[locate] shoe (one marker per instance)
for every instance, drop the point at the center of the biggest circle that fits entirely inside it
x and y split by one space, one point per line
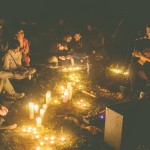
10 127
14 96
19 95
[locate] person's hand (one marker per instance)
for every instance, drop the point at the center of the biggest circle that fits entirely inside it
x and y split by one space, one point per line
3 111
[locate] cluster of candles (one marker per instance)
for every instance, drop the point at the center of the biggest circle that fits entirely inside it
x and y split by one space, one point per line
34 109
117 70
44 140
67 92
82 104
71 69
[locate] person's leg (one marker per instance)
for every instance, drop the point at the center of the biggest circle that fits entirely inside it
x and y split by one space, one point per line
8 86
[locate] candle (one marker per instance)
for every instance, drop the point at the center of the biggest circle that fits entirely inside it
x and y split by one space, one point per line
70 89
36 108
39 122
62 139
65 98
38 148
48 97
42 111
45 106
31 110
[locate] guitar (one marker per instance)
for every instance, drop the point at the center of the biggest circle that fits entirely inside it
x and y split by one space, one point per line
143 57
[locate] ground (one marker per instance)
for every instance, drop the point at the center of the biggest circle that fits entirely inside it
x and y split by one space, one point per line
75 124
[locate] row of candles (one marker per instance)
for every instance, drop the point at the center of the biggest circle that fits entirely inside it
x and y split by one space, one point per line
44 140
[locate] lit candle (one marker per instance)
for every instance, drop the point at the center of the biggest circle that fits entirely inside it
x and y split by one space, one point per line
62 139
46 138
70 89
45 106
65 98
42 111
42 143
36 108
37 136
38 148
48 97
31 110
55 101
24 130
39 122
52 138
52 142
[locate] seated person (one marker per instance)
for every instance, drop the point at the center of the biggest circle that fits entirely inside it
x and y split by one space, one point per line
12 61
79 47
7 87
61 54
24 47
3 112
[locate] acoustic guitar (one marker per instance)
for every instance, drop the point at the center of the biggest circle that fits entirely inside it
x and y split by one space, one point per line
143 57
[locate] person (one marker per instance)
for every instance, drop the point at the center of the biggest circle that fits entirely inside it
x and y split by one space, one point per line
4 112
139 68
12 61
60 53
24 47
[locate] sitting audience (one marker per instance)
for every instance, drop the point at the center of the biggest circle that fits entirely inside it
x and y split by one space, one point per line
24 47
12 61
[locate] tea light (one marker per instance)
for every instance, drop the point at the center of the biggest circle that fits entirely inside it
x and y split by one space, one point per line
24 130
52 138
42 111
52 142
39 122
55 101
31 110
37 136
38 148
46 138
45 106
62 139
42 143
36 108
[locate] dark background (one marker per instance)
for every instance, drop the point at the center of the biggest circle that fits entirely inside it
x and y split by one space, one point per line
125 19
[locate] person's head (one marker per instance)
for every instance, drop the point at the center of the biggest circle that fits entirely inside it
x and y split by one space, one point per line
77 36
20 33
14 45
148 31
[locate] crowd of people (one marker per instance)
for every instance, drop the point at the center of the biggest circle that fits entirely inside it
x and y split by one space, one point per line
70 49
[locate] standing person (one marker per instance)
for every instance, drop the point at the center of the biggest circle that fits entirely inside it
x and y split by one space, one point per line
139 69
24 47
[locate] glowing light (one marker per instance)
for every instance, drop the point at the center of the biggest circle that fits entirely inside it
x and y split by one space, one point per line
55 101
31 110
36 108
52 138
38 148
42 111
62 139
42 143
37 136
84 105
52 142
39 122
24 130
46 138
45 106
